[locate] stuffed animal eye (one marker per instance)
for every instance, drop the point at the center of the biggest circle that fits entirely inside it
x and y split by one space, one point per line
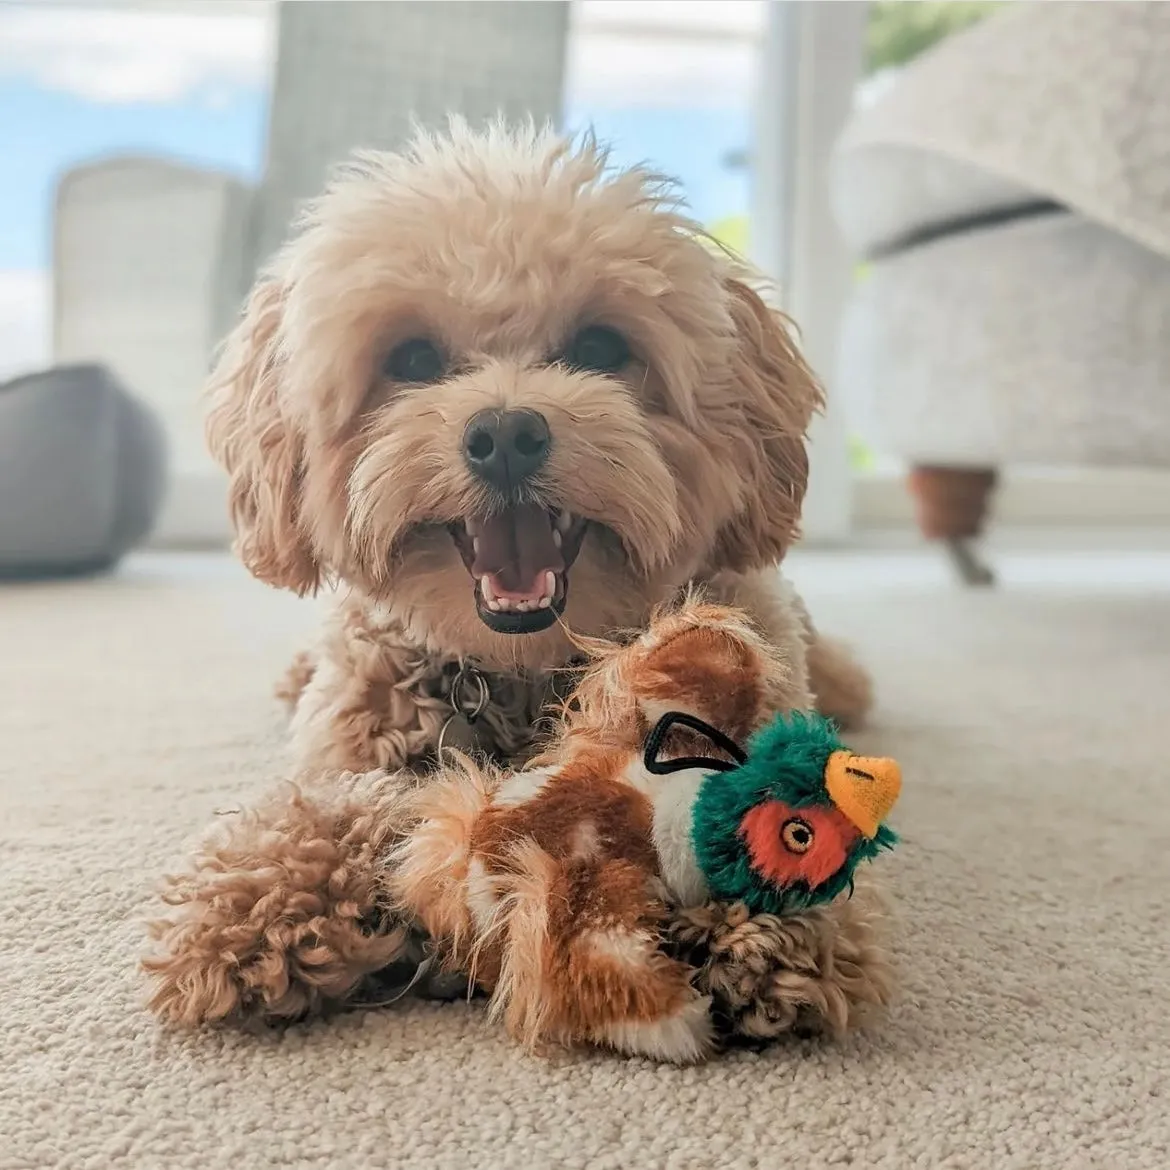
797 835
417 360
599 349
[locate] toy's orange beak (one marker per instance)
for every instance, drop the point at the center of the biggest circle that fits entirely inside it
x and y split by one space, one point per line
863 788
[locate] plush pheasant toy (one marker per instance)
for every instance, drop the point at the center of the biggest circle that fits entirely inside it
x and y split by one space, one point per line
551 885
781 829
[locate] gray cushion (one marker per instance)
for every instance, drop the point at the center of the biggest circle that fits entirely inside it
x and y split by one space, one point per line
1041 342
82 471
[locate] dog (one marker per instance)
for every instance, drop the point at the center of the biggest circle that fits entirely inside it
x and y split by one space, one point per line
498 395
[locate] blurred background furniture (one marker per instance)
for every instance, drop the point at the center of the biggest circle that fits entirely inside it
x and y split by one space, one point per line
1009 198
82 472
152 258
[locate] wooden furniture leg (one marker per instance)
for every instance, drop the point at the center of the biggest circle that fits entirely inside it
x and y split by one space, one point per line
952 505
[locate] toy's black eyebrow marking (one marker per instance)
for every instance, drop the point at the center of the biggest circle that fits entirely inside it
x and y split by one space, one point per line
858 772
657 737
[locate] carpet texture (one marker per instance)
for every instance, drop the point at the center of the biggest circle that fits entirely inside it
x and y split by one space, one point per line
1033 936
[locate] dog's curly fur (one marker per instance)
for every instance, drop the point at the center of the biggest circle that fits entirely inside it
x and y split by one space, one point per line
279 914
826 969
687 464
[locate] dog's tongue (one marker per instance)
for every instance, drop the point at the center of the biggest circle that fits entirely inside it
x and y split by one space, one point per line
516 547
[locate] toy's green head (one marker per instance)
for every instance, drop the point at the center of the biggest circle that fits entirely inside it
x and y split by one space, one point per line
788 827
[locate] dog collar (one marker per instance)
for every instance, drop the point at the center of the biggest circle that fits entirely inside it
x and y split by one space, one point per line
468 697
469 694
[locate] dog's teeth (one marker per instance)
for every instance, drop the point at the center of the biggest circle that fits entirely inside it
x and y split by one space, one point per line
472 527
475 545
528 604
564 520
556 538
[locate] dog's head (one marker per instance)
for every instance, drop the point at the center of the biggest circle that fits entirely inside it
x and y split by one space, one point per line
490 381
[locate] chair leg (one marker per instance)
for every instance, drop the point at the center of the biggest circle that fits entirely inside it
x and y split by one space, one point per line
953 504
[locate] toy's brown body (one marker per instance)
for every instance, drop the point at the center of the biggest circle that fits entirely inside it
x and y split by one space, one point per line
546 883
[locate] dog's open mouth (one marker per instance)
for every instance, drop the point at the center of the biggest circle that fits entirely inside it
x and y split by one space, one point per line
519 559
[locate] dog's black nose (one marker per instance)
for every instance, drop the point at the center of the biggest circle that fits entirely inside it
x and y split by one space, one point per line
506 447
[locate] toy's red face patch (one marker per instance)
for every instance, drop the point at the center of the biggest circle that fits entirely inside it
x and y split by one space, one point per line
788 844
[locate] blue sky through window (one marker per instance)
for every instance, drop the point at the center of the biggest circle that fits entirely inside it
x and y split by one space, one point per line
77 84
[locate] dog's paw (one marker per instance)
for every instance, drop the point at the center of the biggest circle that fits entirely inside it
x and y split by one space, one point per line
277 917
826 969
229 952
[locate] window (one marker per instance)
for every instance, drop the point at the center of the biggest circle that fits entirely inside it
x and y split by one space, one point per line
673 84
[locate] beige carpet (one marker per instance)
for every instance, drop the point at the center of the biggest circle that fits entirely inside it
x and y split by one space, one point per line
1035 938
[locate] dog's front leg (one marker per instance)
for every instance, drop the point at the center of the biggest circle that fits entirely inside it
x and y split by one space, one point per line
281 910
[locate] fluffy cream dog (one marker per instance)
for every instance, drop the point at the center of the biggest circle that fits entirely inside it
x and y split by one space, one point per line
499 394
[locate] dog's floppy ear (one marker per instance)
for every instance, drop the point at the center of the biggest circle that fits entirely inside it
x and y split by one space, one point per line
778 394
259 447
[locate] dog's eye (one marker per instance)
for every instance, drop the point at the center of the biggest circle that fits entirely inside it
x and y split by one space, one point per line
597 348
416 360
